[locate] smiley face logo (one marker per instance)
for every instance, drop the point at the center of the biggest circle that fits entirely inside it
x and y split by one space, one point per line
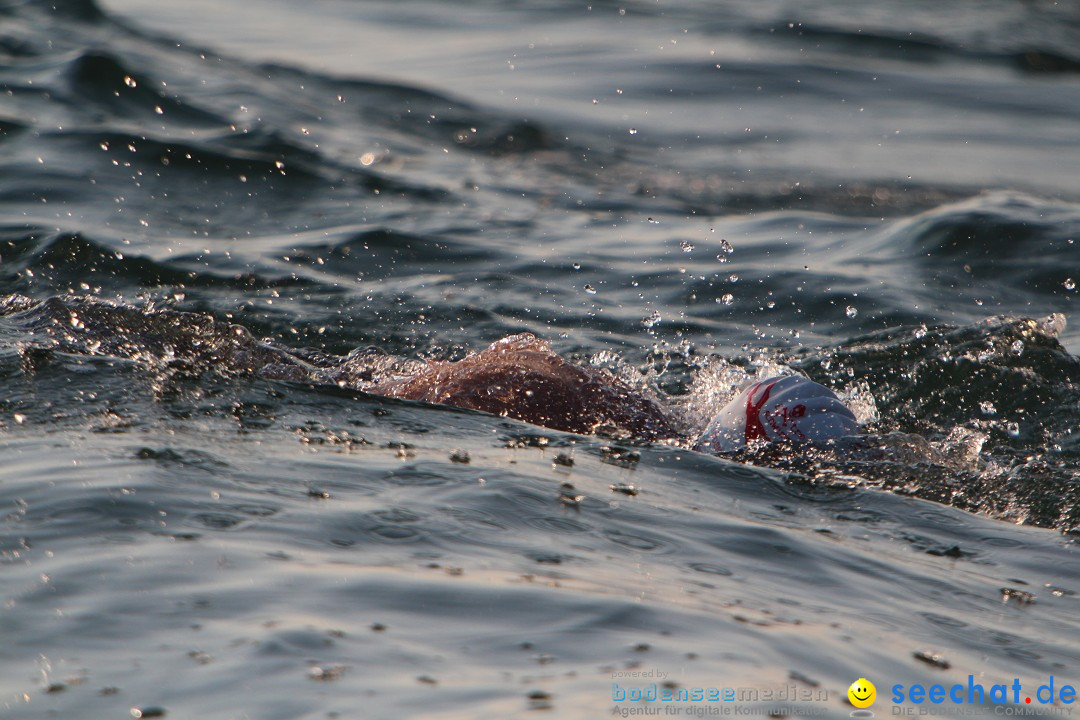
862 693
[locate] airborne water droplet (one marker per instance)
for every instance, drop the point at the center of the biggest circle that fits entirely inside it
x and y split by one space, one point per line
727 299
590 289
1070 284
851 311
651 320
686 246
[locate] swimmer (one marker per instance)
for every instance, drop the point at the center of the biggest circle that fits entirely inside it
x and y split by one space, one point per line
521 377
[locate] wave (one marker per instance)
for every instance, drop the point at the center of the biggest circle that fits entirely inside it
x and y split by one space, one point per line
992 241
33 256
1045 43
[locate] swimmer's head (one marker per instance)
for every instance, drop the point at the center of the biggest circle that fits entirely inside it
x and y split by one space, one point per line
789 409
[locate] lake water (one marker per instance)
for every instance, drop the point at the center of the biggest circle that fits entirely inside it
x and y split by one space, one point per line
881 195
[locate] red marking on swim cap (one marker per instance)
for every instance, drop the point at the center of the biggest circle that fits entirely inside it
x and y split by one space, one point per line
754 429
798 411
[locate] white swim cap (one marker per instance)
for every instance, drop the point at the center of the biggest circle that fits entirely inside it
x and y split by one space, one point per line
788 409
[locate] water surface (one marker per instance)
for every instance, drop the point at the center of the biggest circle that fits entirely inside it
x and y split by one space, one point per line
876 194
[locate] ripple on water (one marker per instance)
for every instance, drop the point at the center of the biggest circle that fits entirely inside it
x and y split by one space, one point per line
81 515
641 541
427 475
943 620
397 515
553 523
710 569
396 533
475 519
221 521
1001 542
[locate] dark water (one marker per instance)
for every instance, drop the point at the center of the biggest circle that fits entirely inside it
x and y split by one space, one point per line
210 211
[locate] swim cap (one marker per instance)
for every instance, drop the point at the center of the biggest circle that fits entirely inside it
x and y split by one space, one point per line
788 409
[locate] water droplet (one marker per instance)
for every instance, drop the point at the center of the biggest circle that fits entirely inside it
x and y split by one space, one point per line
851 311
686 246
633 131
733 277
1070 284
1017 347
19 418
727 299
327 673
771 304
725 247
590 289
652 320
1013 429
987 408
920 332
577 266
130 81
